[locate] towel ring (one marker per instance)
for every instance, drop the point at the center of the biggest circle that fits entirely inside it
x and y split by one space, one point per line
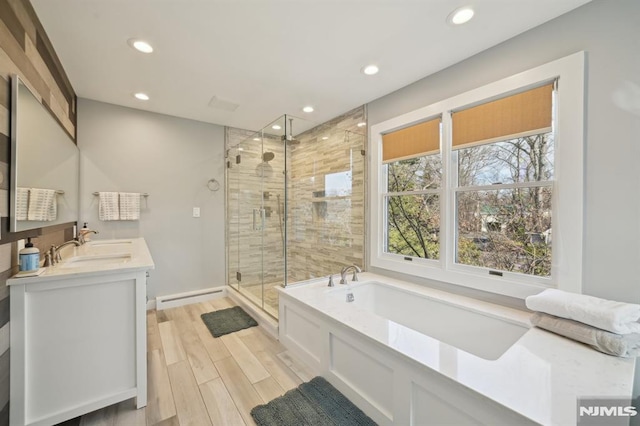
213 185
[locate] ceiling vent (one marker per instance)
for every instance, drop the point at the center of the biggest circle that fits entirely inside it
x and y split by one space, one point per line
223 105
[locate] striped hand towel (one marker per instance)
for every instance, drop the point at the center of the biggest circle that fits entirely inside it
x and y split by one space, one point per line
22 203
109 207
129 205
40 201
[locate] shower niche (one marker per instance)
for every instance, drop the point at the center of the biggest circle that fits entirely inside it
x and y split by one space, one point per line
295 203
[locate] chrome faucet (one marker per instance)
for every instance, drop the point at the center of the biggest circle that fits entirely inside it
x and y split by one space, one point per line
54 251
343 273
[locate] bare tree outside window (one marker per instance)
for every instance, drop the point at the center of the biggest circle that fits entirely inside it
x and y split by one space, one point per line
413 212
506 227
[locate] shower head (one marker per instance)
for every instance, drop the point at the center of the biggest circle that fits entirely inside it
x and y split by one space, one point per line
268 156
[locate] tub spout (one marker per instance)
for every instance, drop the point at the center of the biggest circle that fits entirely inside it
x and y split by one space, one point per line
343 273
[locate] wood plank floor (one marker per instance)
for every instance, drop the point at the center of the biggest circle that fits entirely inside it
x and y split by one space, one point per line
196 379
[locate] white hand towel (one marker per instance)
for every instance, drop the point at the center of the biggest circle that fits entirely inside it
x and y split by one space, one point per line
109 207
129 205
40 201
616 317
22 203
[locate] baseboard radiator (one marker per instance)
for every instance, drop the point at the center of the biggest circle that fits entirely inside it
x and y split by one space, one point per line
175 300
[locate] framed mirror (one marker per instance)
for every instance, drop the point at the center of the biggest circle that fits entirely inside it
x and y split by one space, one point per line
44 187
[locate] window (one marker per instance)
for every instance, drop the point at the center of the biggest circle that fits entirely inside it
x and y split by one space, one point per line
485 189
414 175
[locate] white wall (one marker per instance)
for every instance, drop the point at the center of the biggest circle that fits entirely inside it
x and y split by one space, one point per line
128 150
609 32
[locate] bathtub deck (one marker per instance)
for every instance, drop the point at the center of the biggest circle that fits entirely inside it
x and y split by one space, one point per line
196 379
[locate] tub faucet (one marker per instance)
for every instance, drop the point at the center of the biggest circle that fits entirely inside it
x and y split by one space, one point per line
55 250
343 273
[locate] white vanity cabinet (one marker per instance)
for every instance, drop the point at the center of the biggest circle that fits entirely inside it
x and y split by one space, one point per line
78 334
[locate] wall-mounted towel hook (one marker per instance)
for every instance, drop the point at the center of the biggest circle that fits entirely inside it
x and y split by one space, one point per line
213 185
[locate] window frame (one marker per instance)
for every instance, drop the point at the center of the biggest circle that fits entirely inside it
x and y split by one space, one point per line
568 186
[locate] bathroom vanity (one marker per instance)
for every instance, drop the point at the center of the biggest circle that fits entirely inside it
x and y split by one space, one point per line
78 333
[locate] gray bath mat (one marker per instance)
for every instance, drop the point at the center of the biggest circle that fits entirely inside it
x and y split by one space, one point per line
315 403
227 321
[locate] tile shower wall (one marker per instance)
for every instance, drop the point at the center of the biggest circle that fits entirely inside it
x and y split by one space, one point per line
326 198
24 50
325 202
254 183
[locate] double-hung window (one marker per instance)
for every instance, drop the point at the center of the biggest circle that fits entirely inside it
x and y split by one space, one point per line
413 183
484 189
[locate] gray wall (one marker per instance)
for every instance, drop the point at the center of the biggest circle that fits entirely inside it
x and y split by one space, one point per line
128 150
610 34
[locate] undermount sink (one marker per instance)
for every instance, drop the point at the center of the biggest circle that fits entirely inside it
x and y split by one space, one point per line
93 261
109 242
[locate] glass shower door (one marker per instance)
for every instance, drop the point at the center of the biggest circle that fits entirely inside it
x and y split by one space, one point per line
256 200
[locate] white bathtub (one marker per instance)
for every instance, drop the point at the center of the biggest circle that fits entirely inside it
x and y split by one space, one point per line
410 355
473 331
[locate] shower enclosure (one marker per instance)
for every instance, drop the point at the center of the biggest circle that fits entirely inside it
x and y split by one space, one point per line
295 203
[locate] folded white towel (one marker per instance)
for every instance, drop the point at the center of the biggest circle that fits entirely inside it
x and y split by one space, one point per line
616 317
22 203
129 205
109 207
627 345
40 204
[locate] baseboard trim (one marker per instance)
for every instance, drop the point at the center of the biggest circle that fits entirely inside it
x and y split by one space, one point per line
188 298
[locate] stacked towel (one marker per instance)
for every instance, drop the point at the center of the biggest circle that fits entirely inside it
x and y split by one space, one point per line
616 317
22 203
42 204
129 206
605 325
109 207
627 345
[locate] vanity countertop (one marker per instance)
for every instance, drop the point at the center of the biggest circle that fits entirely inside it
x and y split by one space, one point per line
93 258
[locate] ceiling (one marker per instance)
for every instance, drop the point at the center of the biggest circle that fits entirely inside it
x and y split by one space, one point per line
270 57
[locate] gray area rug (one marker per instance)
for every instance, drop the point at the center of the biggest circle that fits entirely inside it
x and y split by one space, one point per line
227 321
315 403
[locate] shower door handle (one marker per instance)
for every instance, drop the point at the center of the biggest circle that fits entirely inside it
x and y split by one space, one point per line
258 219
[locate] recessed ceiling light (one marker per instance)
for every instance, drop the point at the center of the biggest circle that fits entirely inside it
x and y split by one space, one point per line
142 96
324 138
308 109
256 139
140 45
370 69
276 127
460 15
362 124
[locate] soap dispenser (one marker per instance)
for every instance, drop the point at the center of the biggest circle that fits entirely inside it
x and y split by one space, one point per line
29 257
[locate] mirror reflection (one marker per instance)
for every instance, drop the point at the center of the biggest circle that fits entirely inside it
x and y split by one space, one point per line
44 165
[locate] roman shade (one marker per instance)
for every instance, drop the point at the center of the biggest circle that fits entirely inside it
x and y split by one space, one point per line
413 141
523 114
